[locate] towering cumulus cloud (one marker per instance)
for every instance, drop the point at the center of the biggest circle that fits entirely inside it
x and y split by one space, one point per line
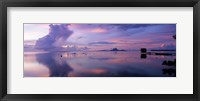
57 36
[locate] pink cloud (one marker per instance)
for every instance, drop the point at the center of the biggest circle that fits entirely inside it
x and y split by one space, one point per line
98 30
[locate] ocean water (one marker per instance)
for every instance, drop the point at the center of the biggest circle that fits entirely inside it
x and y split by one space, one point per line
97 64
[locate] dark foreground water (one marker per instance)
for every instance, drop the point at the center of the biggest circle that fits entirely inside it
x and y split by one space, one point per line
97 64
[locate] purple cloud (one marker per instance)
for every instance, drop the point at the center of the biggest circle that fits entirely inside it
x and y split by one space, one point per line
56 38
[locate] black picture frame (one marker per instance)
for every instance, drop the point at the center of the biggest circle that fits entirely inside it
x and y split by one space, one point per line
99 3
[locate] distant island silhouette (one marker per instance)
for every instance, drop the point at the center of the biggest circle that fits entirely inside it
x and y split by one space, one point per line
114 49
162 50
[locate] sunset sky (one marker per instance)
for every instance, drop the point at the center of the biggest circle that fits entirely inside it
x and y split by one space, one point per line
107 36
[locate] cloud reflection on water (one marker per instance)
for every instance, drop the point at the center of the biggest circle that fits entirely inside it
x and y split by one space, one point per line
101 64
56 65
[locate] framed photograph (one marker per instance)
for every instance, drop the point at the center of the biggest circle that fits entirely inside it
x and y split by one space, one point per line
142 50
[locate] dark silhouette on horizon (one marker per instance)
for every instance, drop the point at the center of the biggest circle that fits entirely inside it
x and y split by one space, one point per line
163 50
114 49
143 50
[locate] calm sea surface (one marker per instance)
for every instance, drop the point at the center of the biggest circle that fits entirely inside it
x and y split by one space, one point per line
97 64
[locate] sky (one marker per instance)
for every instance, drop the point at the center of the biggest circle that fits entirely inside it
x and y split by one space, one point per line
100 36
